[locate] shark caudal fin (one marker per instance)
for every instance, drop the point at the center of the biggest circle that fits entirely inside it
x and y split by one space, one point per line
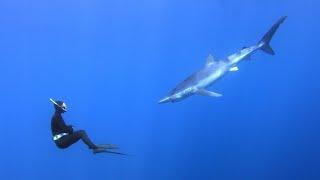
265 41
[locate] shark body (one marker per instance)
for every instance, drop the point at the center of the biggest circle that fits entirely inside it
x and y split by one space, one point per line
214 70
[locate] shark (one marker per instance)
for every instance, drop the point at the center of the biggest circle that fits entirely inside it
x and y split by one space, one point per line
214 69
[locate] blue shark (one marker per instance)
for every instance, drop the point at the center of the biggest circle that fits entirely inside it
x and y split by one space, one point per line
215 69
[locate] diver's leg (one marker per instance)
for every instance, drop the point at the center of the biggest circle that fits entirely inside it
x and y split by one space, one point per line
84 137
67 140
70 139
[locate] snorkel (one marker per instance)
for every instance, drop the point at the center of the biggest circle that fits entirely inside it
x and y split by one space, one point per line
63 106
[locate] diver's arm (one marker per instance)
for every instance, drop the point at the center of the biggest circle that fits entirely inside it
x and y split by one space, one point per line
64 127
70 129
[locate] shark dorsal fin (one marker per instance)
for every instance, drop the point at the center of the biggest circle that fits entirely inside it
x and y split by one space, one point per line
210 60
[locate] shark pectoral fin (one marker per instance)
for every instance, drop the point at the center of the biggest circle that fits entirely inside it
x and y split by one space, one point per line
234 68
204 92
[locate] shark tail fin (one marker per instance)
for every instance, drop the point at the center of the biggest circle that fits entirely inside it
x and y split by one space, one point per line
264 43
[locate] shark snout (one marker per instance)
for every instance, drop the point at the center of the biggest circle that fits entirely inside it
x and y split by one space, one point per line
165 100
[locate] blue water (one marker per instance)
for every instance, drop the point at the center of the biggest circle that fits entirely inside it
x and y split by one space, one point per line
111 61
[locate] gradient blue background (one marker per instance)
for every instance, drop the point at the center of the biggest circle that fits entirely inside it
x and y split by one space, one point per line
111 61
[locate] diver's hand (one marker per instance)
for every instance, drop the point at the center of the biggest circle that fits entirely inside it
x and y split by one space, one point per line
70 127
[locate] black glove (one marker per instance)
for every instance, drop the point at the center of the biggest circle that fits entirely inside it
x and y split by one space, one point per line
70 129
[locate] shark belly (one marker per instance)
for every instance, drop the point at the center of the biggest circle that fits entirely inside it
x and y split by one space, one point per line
212 77
234 59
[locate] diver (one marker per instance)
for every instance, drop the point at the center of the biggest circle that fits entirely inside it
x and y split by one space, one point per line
64 135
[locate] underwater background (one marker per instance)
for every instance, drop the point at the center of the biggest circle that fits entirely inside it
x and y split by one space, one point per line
111 61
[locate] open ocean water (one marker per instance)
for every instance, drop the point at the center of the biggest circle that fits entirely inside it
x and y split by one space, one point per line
111 61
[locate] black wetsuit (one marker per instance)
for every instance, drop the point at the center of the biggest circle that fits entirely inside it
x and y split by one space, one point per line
58 126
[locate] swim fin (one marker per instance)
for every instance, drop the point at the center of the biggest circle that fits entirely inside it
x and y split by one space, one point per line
98 150
113 152
108 146
103 150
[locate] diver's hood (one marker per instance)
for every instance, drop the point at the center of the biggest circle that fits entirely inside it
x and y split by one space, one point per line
59 105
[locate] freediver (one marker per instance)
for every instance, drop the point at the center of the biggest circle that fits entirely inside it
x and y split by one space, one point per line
64 135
